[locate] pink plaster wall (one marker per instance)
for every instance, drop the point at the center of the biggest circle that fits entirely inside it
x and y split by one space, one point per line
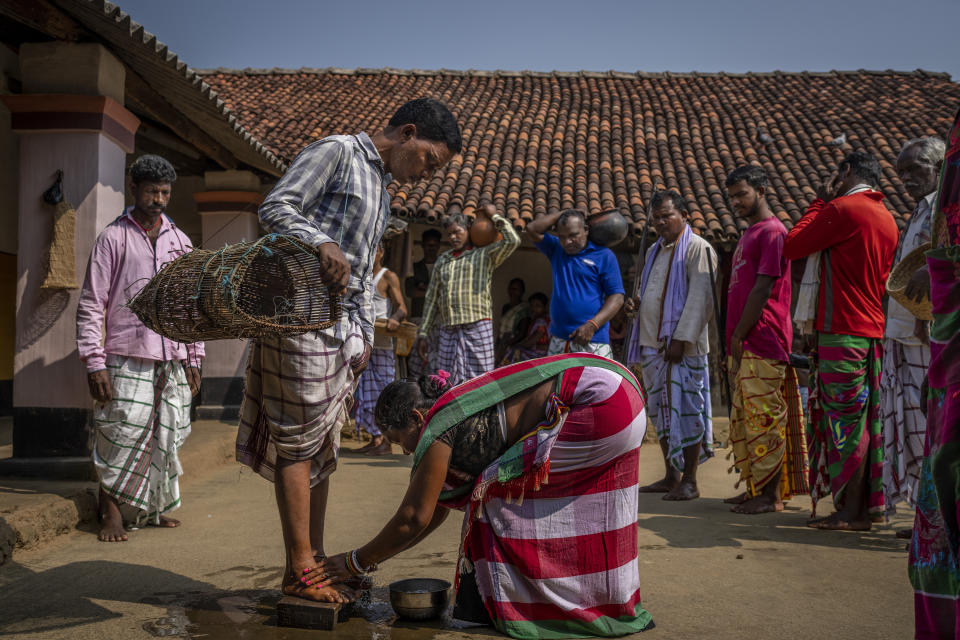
47 371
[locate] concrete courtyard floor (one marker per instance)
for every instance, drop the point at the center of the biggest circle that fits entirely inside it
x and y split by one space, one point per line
705 572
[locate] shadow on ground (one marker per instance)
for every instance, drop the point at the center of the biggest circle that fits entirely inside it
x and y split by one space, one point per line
79 594
63 597
686 525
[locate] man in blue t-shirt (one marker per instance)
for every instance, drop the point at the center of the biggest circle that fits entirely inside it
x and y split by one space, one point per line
587 289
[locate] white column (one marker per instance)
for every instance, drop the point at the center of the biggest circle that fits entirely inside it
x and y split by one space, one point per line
78 125
228 214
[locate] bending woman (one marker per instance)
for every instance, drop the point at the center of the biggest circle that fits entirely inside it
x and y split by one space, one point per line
543 458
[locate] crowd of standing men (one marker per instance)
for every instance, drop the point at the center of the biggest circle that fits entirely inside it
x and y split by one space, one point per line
865 427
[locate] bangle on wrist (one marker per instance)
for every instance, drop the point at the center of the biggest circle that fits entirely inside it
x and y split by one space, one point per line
593 322
354 566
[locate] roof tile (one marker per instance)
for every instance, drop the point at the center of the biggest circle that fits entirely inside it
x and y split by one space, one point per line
538 142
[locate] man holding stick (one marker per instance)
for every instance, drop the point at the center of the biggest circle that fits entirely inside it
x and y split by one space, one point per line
669 340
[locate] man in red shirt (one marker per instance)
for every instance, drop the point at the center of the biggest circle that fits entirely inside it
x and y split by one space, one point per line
766 423
853 237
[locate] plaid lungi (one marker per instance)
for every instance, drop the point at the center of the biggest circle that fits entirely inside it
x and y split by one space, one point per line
559 345
295 401
417 366
139 432
678 403
378 374
464 350
904 425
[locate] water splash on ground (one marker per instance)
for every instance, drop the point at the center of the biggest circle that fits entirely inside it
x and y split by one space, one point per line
251 615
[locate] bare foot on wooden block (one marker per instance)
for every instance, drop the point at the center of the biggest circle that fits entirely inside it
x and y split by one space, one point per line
303 587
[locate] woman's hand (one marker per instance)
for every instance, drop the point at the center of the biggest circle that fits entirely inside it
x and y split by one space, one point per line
334 569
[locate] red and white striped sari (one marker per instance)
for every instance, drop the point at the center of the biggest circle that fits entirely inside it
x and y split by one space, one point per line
550 529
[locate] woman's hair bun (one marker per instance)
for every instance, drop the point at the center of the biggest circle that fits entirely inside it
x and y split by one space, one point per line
431 387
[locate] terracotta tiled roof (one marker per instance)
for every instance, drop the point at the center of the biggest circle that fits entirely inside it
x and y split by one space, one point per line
537 142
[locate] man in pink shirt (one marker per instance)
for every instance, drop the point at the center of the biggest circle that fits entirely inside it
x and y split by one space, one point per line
766 424
143 383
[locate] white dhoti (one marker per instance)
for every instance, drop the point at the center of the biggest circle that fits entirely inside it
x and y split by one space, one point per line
904 425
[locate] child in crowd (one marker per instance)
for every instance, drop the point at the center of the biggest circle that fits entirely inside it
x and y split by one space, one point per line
537 340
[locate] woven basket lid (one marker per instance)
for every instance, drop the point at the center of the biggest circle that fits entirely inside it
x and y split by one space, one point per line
899 278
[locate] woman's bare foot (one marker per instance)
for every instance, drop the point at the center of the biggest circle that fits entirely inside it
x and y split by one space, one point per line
760 504
904 534
686 490
111 520
836 522
660 486
165 523
740 499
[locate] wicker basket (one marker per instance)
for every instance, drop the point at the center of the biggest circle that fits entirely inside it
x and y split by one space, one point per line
245 290
899 278
403 336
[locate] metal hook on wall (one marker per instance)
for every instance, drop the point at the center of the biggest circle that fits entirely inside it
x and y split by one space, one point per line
54 195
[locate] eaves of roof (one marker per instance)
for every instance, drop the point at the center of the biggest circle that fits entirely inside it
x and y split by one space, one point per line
174 79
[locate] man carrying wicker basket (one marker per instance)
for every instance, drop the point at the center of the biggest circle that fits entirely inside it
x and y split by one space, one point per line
143 383
333 197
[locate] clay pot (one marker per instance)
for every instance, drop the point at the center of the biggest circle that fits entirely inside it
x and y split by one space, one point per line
482 232
607 228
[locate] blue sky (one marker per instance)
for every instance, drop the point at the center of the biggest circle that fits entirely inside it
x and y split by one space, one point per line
662 35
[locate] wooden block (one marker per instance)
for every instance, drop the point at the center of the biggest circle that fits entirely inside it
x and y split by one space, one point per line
306 614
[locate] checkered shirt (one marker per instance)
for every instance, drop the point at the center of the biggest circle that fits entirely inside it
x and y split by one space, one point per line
335 191
459 288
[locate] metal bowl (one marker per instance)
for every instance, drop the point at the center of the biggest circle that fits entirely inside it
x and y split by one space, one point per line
420 598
